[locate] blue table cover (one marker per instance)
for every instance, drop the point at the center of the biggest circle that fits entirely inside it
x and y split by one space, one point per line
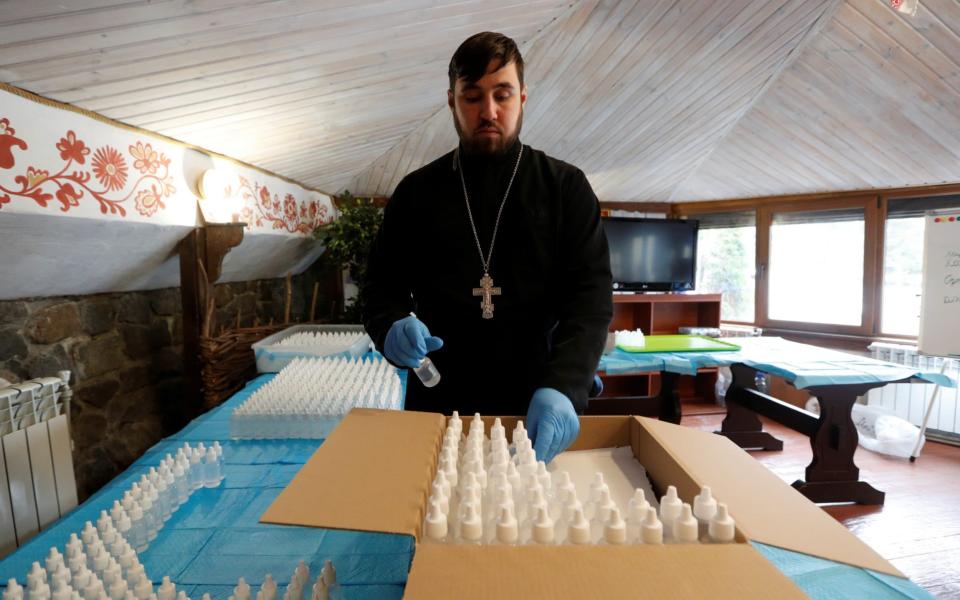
801 364
215 537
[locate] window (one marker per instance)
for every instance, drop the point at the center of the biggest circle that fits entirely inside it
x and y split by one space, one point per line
903 262
847 265
726 255
816 266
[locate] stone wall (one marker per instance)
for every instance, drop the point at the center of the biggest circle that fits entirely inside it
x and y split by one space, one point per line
125 353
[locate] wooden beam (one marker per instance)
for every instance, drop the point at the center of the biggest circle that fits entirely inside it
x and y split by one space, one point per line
201 258
740 204
644 207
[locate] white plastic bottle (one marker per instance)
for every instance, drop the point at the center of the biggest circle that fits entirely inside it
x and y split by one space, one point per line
604 507
508 531
722 527
651 531
138 531
435 528
167 589
578 531
211 472
593 499
636 511
268 588
13 591
181 481
615 529
542 532
218 451
427 372
685 527
196 469
240 592
704 508
670 507
471 527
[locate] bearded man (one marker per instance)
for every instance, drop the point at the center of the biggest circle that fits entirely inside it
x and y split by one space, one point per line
492 260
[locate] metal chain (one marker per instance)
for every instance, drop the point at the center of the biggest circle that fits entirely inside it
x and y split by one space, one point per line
496 225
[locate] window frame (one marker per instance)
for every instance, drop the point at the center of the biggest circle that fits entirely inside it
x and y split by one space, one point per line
876 203
765 215
875 206
756 284
883 203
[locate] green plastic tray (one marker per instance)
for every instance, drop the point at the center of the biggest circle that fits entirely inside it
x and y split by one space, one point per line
680 343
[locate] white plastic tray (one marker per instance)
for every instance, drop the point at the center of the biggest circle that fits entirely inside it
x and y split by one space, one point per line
271 356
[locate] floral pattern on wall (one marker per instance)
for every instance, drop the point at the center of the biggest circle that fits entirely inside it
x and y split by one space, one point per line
261 209
103 180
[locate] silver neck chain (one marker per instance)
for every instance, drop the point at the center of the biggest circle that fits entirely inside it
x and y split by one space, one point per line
496 224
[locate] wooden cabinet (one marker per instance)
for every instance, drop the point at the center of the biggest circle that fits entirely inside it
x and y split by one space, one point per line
662 314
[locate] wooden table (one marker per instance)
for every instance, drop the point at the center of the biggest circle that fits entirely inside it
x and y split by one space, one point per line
831 476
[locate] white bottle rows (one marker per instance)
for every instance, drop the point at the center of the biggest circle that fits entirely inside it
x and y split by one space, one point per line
323 342
490 491
102 562
310 396
149 502
90 572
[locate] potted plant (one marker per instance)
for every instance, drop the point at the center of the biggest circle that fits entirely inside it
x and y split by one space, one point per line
348 239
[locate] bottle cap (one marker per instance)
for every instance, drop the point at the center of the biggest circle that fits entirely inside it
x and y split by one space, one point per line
704 505
579 530
471 528
507 530
637 508
722 528
670 506
596 487
436 523
651 530
615 529
543 476
685 527
240 592
328 573
543 527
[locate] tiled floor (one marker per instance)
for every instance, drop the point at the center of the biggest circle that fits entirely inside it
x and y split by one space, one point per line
918 527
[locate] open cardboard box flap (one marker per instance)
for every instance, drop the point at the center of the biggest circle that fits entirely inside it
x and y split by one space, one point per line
374 472
734 571
371 474
766 509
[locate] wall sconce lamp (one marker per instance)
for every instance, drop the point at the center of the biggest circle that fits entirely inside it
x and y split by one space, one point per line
215 205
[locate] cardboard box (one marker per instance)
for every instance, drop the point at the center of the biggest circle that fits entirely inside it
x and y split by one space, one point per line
374 474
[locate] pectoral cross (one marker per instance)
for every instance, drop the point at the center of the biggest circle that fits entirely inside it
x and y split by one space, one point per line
486 290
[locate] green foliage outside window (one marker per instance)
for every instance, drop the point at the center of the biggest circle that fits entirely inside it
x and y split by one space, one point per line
725 266
348 240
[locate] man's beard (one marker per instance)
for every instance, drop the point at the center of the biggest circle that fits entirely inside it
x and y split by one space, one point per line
488 145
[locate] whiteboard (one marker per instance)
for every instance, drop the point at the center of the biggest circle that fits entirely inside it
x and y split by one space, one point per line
940 309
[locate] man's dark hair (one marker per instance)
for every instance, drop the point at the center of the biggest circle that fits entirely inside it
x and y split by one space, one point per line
471 59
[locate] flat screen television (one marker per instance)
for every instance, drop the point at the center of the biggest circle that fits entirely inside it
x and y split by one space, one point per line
652 254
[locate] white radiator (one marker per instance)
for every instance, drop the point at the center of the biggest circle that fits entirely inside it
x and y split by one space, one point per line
909 400
37 483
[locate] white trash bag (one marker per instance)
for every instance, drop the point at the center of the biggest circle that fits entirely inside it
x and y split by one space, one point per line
881 430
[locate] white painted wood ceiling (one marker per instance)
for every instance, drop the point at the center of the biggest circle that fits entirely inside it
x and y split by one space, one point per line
656 100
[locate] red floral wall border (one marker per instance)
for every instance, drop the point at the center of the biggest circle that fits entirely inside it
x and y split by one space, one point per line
108 165
261 209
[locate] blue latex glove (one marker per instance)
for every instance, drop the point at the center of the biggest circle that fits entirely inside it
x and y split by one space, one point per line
552 424
409 341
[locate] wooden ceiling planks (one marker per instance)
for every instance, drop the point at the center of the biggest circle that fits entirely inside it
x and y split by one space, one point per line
871 103
656 100
637 93
312 90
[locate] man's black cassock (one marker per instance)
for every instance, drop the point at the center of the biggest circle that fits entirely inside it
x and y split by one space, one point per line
550 260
